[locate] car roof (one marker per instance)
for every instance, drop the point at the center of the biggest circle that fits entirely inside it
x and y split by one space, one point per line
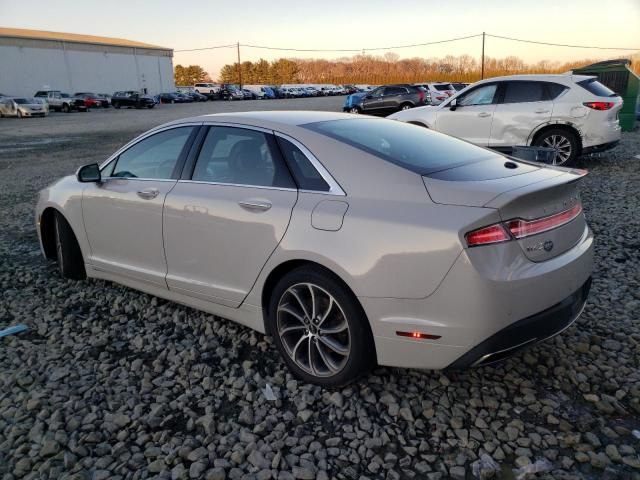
546 76
271 119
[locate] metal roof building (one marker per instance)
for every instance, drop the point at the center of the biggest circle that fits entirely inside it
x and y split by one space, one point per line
32 60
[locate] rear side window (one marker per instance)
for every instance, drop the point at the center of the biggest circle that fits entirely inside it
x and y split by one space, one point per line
522 92
554 90
596 88
240 156
306 175
395 91
409 146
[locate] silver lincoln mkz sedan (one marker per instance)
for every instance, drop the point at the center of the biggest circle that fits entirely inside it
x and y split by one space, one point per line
350 240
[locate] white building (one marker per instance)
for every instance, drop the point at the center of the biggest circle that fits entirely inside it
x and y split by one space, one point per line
32 60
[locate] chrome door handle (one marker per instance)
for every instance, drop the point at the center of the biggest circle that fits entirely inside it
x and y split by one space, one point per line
542 111
255 205
148 193
484 114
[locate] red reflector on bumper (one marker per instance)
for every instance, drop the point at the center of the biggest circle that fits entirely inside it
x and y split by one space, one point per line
418 335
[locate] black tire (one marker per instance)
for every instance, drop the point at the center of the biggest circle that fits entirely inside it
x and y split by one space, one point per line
559 136
116 105
150 106
405 106
355 110
65 108
68 254
361 356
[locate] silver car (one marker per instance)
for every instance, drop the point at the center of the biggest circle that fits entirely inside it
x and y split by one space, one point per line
22 107
351 240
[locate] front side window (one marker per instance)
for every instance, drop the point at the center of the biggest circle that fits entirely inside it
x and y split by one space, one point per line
240 156
155 157
483 95
523 92
377 92
306 175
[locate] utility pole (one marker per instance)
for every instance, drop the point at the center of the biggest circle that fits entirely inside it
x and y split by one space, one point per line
240 66
482 72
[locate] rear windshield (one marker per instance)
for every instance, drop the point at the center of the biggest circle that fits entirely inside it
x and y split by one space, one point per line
442 87
594 86
409 146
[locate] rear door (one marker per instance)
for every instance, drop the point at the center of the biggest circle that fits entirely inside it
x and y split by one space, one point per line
223 220
523 106
392 98
471 119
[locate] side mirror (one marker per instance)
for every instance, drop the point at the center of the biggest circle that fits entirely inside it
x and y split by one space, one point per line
89 174
453 104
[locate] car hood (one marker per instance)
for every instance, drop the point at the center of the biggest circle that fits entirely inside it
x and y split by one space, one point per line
354 99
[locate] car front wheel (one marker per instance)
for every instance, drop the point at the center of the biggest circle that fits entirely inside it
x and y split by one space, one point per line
354 110
68 253
563 142
320 329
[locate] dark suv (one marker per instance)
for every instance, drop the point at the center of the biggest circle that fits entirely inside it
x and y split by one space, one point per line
131 98
386 99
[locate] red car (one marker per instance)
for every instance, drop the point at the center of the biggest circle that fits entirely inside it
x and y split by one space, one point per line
91 100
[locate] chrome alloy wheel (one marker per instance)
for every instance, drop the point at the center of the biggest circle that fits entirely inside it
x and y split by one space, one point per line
561 145
313 329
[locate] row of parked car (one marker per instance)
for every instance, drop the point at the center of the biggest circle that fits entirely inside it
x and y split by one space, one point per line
230 91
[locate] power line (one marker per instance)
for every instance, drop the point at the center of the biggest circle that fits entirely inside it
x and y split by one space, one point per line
560 44
397 47
360 49
233 45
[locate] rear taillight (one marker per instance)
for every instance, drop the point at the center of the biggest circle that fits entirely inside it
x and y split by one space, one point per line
524 228
599 105
519 228
487 235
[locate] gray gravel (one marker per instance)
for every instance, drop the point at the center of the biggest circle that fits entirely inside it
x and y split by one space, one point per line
112 383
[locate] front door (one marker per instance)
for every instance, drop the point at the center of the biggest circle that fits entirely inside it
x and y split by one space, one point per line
374 101
222 224
123 213
471 120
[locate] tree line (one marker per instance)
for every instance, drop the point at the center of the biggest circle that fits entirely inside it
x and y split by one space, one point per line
389 68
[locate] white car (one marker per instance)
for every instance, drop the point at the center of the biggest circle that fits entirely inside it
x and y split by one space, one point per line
439 92
207 88
573 114
23 107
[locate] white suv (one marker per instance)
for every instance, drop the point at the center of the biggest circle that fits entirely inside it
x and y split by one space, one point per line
574 114
438 91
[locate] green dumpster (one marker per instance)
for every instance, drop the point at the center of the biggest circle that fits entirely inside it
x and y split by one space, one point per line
617 75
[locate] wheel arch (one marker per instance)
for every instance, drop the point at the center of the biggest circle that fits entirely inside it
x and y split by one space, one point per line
48 232
562 125
289 265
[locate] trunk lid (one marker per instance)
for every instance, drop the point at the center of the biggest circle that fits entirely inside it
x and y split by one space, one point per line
527 192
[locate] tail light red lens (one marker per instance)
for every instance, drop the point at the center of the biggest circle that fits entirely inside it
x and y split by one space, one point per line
599 105
519 228
487 235
523 228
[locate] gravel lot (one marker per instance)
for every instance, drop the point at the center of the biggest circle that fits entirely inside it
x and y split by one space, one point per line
112 383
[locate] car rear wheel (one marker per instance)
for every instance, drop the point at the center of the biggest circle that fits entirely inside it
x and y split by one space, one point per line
562 141
406 106
68 254
320 329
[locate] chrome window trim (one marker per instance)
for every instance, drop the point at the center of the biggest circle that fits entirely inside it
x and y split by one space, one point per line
141 137
142 179
213 123
334 187
200 182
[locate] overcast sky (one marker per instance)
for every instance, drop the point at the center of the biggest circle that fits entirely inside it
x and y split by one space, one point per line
338 24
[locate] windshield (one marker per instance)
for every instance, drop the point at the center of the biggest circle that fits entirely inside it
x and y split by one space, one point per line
21 101
409 146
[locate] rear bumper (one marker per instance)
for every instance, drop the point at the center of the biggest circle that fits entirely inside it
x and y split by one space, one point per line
527 331
600 148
